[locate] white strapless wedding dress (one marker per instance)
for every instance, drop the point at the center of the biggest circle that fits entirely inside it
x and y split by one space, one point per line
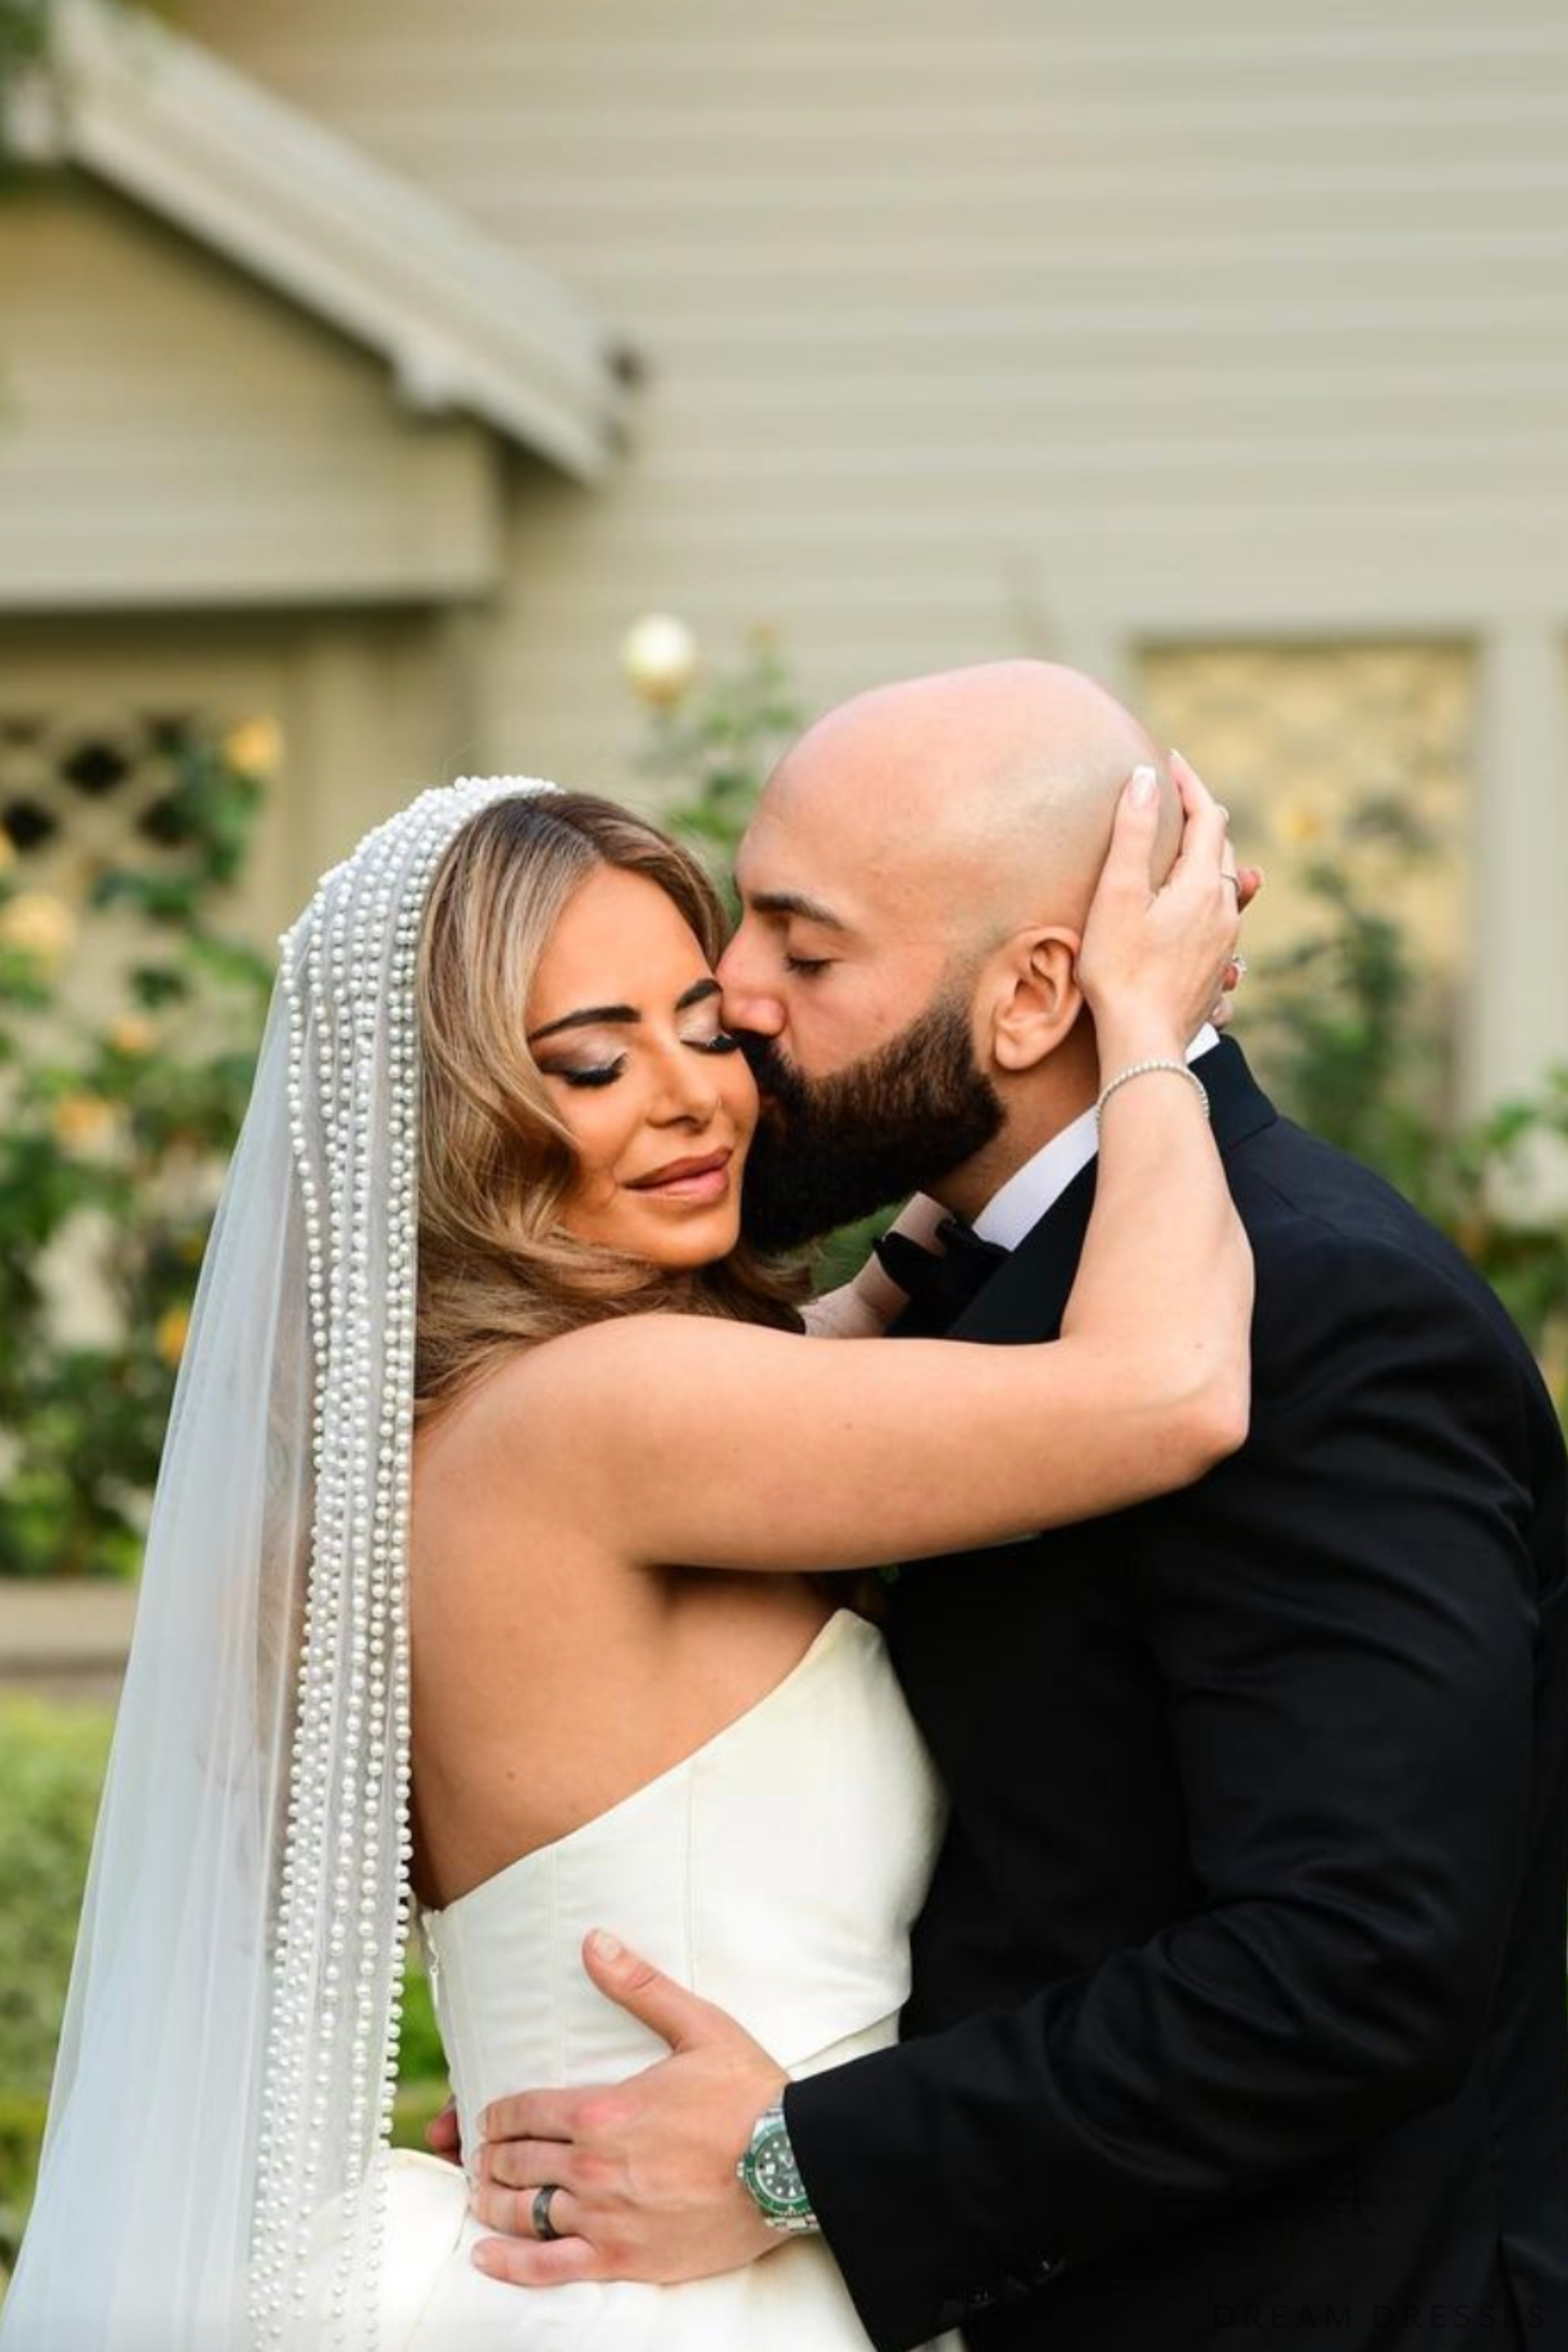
777 1871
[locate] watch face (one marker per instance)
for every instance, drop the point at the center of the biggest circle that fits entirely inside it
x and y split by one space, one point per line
776 2174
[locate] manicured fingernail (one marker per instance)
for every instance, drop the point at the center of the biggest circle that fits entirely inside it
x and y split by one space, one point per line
1142 787
605 1944
485 2261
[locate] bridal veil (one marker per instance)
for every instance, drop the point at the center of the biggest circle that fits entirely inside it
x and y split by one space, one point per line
211 2176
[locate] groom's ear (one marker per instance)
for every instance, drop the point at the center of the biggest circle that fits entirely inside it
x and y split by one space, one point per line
1031 998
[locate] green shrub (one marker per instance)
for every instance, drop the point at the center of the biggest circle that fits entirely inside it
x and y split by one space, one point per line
51 1769
21 2137
121 1123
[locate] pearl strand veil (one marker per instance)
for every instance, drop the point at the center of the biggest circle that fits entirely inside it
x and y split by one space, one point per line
213 2174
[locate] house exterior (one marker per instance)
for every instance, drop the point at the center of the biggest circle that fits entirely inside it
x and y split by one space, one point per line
370 369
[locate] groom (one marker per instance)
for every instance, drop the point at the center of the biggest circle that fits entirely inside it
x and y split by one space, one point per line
1238 2012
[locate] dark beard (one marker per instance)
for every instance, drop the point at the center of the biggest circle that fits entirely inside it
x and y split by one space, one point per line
828 1150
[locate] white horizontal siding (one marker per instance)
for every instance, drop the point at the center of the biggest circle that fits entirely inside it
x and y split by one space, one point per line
1013 326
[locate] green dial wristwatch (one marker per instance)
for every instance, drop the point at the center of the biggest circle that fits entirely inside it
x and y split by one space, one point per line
771 2177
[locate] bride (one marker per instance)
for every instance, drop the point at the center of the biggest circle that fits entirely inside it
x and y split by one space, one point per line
482 1580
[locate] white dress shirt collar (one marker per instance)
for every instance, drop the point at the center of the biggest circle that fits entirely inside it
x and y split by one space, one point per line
1039 1183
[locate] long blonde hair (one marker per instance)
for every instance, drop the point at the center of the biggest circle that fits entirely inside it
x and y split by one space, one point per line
496 1268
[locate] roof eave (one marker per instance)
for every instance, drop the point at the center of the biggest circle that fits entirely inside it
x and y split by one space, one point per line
463 323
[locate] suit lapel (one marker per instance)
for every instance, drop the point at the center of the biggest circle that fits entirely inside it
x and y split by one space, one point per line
1025 1299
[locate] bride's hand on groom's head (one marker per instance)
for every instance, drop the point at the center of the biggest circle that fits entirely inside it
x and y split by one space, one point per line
1155 963
1249 880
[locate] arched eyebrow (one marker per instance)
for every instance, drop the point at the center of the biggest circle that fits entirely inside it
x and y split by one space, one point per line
791 902
592 1016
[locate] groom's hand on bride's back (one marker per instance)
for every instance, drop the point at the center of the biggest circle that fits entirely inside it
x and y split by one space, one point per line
643 2171
444 2136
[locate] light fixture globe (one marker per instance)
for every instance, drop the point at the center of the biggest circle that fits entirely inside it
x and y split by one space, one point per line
659 655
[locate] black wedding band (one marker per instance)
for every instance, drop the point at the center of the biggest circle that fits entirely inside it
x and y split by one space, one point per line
545 2228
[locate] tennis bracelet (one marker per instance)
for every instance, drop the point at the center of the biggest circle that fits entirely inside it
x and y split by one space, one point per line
1142 1070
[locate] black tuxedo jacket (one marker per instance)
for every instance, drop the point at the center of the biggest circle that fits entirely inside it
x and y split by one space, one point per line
1238 2013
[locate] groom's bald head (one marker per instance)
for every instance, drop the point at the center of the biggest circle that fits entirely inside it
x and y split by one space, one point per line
987 792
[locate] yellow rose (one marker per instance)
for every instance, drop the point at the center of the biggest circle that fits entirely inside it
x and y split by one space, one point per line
173 1328
133 1034
255 747
38 924
84 1123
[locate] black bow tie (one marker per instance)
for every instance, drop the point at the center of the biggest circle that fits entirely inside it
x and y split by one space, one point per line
940 1289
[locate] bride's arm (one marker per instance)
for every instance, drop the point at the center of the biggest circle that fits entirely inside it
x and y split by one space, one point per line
678 1438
